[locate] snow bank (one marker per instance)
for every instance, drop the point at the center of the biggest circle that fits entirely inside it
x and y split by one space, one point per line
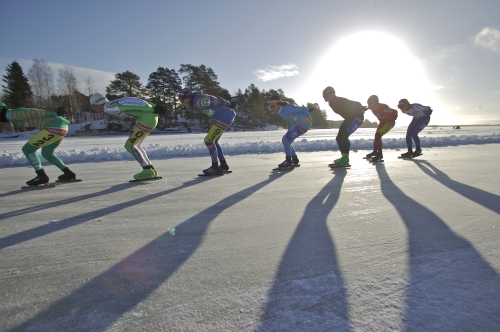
159 146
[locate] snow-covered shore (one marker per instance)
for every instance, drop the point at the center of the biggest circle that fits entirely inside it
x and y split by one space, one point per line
160 146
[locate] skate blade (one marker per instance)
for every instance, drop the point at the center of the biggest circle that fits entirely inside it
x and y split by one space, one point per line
400 157
339 166
214 174
150 179
43 186
283 168
69 181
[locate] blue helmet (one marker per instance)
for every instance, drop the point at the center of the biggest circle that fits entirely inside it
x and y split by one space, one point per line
186 94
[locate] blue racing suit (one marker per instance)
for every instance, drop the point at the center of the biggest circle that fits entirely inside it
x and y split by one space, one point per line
220 110
300 123
421 117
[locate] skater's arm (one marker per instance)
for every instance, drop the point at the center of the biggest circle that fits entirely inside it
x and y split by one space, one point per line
25 114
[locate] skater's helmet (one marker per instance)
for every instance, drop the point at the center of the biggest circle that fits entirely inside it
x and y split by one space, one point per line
186 94
328 91
273 100
373 99
403 104
98 99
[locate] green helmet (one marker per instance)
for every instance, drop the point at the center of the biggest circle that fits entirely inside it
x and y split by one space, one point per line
2 104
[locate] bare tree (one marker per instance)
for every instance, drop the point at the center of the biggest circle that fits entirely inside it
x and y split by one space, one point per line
42 83
68 86
89 85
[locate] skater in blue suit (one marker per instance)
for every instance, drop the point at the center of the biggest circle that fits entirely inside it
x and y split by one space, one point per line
421 117
223 115
300 123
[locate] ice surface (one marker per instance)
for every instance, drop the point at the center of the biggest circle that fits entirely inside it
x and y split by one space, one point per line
402 245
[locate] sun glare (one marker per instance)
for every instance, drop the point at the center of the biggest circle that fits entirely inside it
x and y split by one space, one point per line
370 63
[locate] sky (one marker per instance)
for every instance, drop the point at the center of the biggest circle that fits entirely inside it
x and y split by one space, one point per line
444 54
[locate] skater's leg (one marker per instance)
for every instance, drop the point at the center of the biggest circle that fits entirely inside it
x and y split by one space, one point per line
220 152
290 136
29 152
411 126
420 124
377 142
383 128
212 138
346 129
42 139
144 125
48 154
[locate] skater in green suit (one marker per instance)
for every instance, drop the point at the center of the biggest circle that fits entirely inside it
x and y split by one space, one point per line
147 119
53 127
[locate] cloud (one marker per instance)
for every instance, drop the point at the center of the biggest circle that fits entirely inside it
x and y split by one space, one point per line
271 73
488 38
444 52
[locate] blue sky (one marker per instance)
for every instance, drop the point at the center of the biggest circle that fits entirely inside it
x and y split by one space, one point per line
440 53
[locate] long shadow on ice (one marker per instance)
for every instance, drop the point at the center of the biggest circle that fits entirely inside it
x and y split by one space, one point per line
13 192
106 298
484 198
450 287
308 292
49 228
45 206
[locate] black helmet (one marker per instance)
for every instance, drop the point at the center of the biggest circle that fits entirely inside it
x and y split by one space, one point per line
403 103
373 99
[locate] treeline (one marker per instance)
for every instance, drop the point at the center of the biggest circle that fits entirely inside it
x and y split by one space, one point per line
40 89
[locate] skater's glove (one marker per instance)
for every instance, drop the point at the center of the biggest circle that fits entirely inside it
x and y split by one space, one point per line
61 110
3 114
160 110
234 102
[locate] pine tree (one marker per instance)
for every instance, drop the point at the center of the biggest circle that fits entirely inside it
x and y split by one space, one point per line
318 116
126 84
17 91
164 84
202 79
256 104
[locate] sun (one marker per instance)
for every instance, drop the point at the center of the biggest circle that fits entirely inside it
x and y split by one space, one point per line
370 63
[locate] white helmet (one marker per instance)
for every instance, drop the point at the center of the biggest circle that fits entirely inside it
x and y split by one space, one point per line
98 99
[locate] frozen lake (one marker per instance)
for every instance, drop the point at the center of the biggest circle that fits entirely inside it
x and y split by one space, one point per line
396 246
